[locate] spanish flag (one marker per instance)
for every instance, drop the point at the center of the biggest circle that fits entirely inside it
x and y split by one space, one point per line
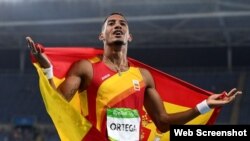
69 117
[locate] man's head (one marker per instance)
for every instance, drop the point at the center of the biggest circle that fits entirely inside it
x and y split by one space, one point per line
115 30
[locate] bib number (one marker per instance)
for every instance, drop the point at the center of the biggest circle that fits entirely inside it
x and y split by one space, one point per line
123 124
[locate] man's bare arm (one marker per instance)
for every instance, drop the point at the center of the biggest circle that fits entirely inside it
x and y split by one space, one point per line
162 119
77 79
74 79
36 51
40 57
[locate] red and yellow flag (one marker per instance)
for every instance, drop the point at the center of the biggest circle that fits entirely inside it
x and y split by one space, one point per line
69 117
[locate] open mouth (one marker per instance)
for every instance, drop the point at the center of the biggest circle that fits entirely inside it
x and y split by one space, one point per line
118 32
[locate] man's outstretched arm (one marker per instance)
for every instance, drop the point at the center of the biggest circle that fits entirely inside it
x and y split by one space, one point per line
41 58
72 81
156 110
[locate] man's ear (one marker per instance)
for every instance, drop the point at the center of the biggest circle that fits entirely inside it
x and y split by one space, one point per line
130 38
101 38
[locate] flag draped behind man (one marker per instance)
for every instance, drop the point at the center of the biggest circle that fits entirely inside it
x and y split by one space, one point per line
69 117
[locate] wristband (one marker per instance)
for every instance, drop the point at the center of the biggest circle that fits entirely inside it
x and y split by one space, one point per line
203 107
48 72
158 135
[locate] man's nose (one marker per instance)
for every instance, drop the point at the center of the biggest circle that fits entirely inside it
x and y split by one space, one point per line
118 26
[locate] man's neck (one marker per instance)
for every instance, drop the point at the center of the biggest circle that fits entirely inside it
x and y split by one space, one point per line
116 57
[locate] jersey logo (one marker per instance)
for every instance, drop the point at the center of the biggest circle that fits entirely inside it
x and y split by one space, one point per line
136 85
105 76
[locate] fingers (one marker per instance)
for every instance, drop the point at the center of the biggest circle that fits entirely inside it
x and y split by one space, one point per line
28 38
223 98
40 48
217 96
30 42
238 93
232 95
32 46
215 100
234 92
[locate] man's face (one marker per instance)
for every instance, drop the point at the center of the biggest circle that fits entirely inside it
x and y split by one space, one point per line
115 31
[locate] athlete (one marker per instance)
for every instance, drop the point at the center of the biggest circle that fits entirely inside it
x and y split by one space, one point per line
105 96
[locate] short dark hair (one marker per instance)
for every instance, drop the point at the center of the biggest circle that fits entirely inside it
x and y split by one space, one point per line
114 13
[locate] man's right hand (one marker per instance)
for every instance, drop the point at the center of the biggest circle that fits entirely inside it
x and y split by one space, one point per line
36 50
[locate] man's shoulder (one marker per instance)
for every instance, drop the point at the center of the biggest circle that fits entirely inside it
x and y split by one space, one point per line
144 71
82 62
82 66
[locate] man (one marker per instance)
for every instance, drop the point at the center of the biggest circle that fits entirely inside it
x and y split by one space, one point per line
99 80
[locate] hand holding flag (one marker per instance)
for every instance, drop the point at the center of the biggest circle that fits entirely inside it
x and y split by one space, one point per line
37 51
217 100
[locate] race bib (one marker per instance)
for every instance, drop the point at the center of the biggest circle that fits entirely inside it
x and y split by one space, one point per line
123 124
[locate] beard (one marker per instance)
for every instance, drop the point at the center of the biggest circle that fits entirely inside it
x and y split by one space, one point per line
117 43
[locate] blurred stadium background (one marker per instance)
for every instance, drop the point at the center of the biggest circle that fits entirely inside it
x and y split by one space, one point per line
204 42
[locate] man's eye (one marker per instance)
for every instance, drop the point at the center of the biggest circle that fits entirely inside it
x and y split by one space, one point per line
111 23
123 24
